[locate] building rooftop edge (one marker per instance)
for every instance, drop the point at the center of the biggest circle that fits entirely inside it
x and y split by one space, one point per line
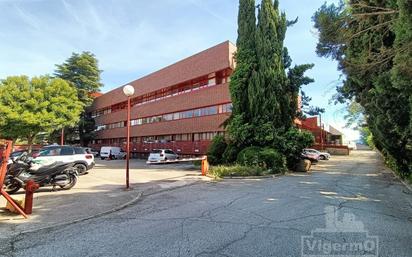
228 42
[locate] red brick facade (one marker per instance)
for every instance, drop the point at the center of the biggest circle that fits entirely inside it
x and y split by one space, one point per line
180 107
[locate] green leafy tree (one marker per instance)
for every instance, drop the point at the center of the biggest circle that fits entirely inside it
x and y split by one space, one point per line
82 71
296 79
31 106
371 40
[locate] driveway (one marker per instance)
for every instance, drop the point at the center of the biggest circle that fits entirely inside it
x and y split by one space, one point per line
344 201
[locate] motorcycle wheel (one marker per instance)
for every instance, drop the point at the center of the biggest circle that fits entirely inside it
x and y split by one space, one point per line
72 183
11 188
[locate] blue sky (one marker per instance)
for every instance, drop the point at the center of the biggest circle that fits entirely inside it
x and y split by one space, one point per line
132 38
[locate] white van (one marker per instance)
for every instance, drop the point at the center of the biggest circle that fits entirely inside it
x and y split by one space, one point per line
112 152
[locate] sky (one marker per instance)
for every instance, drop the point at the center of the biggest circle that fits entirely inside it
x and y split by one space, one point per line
132 38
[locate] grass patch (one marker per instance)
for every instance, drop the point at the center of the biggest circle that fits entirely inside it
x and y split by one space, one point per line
236 171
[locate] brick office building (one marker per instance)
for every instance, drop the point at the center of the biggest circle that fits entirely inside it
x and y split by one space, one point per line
180 107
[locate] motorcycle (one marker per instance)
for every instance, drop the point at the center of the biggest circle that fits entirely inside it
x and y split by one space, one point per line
63 175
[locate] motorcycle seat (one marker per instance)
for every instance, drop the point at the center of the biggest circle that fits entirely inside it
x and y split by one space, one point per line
47 168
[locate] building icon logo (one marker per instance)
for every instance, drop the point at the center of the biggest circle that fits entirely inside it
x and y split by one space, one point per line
345 237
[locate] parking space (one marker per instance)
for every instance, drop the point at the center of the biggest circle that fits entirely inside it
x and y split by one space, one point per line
140 172
102 189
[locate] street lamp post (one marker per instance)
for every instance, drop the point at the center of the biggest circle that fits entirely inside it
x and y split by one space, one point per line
128 90
321 132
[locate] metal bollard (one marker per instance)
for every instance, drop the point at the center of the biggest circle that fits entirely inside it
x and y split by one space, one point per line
205 166
30 188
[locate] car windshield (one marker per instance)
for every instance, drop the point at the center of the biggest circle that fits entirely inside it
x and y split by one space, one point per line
156 151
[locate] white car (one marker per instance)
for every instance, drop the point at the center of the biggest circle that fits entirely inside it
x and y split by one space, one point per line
158 155
91 151
81 160
112 152
322 155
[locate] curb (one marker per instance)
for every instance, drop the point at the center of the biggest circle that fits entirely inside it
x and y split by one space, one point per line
253 177
407 185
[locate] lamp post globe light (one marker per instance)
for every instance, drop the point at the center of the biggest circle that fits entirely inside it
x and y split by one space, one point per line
128 90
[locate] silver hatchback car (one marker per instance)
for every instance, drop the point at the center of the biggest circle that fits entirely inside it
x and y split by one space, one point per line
162 155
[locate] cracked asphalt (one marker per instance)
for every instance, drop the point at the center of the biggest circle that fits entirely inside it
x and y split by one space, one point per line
266 217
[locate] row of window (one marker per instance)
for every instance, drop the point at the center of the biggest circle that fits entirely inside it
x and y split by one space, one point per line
212 110
204 136
196 84
101 112
224 108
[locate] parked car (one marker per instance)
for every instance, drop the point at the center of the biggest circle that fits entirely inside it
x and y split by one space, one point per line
322 155
81 160
162 155
313 157
14 155
92 151
112 152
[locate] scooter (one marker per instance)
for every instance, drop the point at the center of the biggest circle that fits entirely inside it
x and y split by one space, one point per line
63 175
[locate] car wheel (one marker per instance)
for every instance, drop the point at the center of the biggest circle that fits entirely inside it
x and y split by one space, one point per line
322 157
81 168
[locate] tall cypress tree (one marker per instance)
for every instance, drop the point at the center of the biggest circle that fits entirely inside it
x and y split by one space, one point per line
269 100
264 97
239 125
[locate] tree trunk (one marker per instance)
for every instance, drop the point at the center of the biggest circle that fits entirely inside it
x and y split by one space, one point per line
30 143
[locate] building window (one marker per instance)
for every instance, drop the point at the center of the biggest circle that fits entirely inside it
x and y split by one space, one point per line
187 87
212 110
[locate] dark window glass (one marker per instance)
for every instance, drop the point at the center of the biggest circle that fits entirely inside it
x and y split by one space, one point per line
66 151
79 150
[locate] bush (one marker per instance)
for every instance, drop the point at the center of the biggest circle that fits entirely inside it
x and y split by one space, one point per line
216 150
291 145
250 156
236 170
230 154
266 158
274 161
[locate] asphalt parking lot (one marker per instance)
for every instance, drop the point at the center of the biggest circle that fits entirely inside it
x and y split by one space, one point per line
339 201
102 189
